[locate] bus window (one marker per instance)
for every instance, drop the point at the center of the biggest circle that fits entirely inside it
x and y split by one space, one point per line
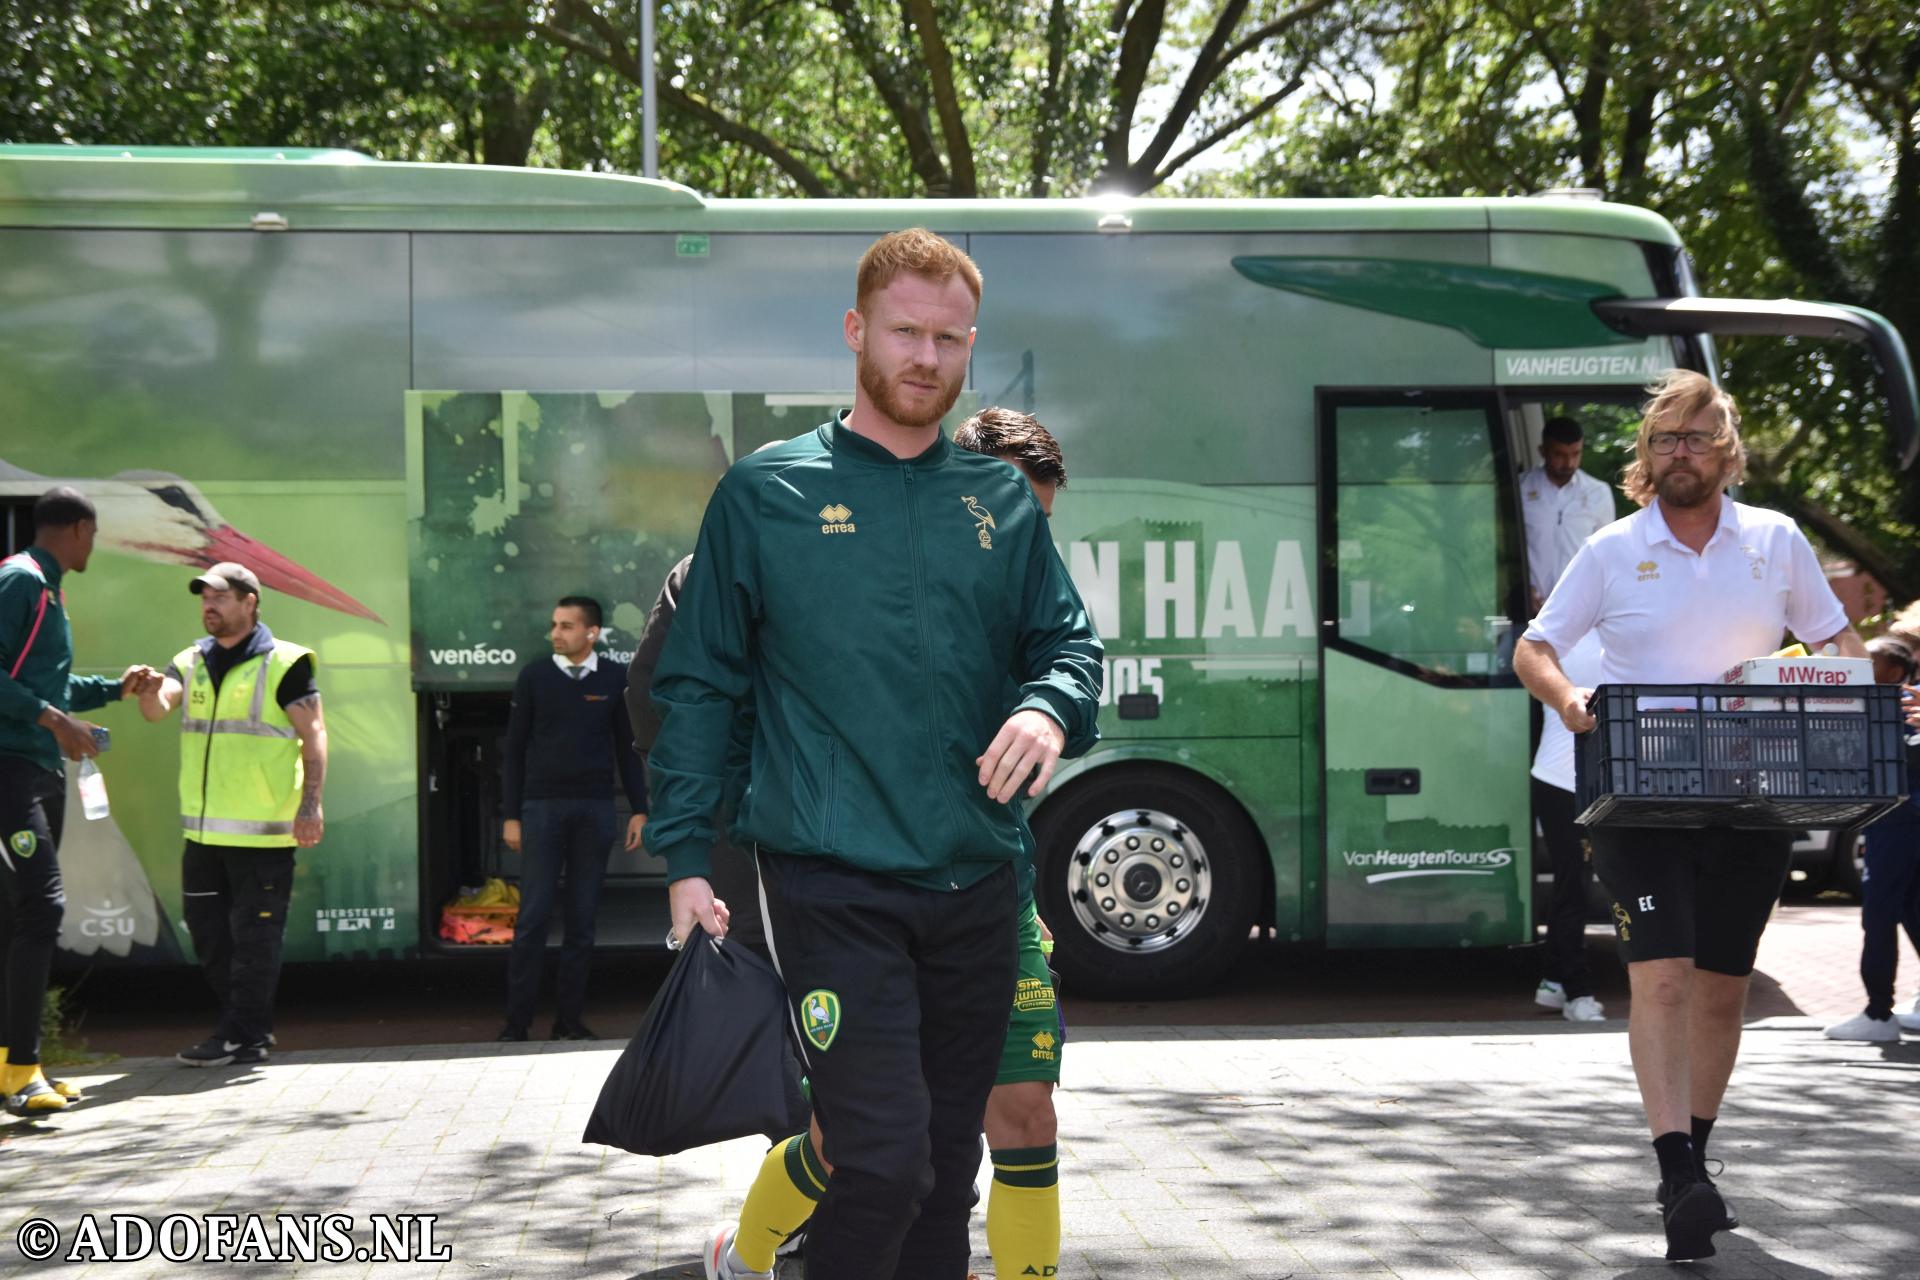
1422 552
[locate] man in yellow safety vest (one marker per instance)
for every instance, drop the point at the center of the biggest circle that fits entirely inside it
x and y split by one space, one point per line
253 759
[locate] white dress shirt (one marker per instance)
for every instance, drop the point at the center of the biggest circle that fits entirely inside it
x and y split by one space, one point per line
1666 615
585 669
1559 518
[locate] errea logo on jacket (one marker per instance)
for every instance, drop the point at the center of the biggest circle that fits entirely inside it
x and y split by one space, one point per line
838 519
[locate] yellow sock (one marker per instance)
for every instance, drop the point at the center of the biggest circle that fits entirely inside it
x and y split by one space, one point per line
1023 1212
13 1079
70 1092
784 1192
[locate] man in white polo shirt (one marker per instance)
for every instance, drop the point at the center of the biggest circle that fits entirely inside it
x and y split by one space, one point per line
1561 505
1679 592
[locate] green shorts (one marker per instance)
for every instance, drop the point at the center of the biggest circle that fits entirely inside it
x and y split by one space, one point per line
1035 1034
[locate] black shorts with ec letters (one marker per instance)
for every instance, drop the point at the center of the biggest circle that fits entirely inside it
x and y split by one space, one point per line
1699 894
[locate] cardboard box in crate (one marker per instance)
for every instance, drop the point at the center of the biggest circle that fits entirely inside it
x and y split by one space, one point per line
1680 756
1808 673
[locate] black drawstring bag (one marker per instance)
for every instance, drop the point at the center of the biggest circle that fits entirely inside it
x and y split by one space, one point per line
709 1062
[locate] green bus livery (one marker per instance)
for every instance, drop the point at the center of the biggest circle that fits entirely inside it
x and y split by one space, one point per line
423 402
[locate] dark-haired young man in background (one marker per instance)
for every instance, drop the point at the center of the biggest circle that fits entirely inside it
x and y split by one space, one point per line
1023 1131
1562 506
567 737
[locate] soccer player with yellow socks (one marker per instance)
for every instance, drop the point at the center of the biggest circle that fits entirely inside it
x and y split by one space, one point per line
37 695
1023 1204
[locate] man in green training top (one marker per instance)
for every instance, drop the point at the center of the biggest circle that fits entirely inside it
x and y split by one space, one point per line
868 589
38 693
1023 1208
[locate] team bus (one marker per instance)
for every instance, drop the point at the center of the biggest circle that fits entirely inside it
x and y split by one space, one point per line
423 402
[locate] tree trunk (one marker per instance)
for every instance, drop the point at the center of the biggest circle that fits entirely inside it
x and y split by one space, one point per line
508 122
1590 107
946 103
1780 199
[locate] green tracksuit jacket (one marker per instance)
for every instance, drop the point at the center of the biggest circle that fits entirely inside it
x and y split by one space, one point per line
44 678
871 609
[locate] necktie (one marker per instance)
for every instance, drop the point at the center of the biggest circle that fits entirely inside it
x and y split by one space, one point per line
579 672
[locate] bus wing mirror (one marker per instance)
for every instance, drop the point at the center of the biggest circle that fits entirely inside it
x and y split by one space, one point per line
1744 317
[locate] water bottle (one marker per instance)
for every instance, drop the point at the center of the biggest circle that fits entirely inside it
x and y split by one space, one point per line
93 790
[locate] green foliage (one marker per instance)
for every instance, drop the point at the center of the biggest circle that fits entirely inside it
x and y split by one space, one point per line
758 97
1783 139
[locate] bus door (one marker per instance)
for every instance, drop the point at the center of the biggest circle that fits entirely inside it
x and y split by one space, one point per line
1425 800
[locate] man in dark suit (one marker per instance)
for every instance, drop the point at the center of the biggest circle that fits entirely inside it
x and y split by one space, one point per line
566 739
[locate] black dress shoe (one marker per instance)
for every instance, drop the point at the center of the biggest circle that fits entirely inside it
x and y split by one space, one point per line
511 1032
573 1031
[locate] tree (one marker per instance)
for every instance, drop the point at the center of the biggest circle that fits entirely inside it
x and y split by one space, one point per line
277 73
1783 142
939 97
1809 88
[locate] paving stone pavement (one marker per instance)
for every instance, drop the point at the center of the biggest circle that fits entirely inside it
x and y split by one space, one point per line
1493 1151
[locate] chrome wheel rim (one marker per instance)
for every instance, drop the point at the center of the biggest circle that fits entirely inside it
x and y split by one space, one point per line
1140 881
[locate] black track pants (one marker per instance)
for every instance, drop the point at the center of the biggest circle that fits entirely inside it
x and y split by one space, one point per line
900 997
33 803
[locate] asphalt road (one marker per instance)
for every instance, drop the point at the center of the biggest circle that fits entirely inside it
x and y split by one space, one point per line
1808 966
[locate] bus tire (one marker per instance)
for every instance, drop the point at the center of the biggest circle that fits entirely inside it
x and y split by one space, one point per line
1149 878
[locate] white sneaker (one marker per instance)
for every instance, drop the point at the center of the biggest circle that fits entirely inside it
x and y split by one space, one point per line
723 1264
1861 1027
1584 1009
1550 995
1909 1017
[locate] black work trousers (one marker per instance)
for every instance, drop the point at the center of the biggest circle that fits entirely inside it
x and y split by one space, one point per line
235 902
33 806
900 997
1566 961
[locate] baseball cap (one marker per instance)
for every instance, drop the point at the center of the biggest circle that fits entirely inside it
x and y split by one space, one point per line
227 576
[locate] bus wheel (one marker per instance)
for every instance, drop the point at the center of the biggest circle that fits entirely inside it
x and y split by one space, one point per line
1149 879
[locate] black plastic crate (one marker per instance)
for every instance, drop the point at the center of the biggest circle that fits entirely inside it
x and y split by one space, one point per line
1704 766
